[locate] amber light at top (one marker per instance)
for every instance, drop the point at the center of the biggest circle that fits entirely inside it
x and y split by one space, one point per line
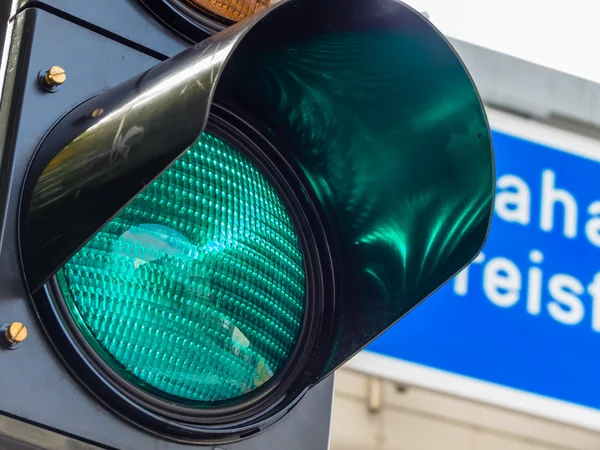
233 10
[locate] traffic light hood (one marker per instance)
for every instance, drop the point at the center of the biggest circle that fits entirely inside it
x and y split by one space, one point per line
363 101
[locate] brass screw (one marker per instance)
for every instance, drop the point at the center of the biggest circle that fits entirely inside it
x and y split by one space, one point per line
97 113
54 77
15 333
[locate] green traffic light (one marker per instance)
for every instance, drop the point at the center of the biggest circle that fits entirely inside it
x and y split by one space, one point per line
196 290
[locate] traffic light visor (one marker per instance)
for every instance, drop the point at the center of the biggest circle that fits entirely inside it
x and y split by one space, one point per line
387 126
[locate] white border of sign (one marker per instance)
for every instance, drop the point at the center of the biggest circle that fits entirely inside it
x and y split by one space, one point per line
482 391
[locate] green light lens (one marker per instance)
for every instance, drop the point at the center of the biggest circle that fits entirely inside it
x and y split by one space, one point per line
196 290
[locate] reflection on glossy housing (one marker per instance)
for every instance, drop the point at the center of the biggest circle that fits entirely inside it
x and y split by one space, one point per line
389 129
196 289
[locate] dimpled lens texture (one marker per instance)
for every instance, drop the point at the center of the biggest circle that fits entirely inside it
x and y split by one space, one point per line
196 290
234 10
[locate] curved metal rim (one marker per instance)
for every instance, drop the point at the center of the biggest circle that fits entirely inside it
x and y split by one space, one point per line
263 406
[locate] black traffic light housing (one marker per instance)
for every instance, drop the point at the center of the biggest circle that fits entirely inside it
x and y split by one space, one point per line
386 229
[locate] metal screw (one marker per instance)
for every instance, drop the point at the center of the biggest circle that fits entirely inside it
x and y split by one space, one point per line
14 334
97 113
53 78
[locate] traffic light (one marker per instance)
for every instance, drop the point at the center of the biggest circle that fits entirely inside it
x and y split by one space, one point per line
197 234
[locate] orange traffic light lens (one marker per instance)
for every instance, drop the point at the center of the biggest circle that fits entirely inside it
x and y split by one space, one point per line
232 10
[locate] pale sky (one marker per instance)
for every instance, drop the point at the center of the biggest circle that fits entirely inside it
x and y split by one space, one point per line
561 35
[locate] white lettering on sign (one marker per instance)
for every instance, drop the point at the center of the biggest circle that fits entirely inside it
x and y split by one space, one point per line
558 207
560 296
502 285
534 284
551 197
592 227
502 282
566 307
513 199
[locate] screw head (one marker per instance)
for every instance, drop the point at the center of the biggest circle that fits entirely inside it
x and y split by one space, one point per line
15 333
56 76
97 113
53 78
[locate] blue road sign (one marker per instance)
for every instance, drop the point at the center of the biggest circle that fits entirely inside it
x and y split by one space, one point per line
526 313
